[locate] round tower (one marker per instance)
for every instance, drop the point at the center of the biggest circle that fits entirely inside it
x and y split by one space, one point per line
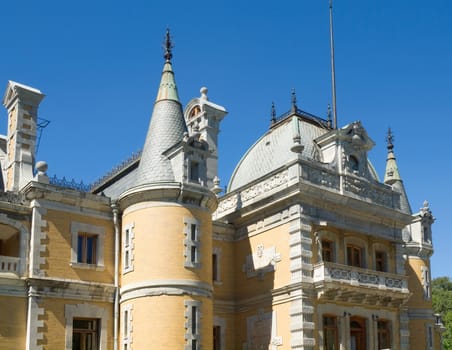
166 274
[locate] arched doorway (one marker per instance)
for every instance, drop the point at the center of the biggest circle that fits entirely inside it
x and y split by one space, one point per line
357 333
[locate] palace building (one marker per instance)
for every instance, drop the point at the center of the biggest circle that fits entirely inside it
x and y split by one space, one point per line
306 248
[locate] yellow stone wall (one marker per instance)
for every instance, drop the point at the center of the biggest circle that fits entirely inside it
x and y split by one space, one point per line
58 252
159 322
13 322
277 237
159 242
413 270
225 288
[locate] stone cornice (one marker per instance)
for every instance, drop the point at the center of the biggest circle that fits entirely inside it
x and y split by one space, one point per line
296 183
184 193
71 289
37 190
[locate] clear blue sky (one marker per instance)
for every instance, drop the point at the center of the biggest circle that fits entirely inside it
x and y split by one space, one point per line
99 63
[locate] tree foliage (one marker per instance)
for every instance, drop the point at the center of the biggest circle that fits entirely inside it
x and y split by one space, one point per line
442 304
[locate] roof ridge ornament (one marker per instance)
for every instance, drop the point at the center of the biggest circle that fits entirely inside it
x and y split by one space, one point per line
294 100
273 114
390 140
168 46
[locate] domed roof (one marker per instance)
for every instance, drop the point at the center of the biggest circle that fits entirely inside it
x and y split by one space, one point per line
273 150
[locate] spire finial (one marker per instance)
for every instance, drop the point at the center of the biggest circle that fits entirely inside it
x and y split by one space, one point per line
168 46
294 100
390 140
273 114
328 116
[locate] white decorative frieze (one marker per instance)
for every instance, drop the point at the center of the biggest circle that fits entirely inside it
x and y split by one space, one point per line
237 200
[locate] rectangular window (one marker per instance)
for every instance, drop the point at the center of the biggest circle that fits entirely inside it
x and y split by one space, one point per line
126 325
86 248
327 250
214 267
192 323
384 334
194 315
127 245
380 261
194 171
354 256
330 338
191 243
216 338
85 334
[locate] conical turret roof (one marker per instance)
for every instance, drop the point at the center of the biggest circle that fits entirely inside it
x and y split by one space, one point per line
392 175
167 128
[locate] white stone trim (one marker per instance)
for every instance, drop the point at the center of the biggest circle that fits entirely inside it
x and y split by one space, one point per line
73 209
165 287
38 234
72 311
127 326
128 237
190 244
191 334
33 324
76 228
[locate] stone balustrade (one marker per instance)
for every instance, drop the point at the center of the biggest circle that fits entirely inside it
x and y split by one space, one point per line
9 264
354 276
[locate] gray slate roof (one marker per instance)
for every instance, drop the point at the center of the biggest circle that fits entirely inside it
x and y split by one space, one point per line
272 151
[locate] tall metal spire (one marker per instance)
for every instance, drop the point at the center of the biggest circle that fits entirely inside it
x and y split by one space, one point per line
333 74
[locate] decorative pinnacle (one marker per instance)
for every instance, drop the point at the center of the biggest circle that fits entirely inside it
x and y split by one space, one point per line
168 46
273 113
390 140
294 100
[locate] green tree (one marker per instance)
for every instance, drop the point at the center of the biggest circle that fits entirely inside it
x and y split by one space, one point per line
442 304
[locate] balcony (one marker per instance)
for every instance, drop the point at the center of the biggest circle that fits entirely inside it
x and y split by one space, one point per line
336 282
9 264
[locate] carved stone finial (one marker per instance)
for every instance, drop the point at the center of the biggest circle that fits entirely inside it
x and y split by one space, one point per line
42 167
168 46
216 186
203 92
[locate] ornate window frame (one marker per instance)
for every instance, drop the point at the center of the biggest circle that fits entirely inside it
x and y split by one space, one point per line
192 243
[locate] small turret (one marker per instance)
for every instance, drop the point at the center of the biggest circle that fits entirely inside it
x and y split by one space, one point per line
392 175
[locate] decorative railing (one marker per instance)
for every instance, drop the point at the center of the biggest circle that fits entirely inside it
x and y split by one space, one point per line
72 184
354 276
9 264
306 115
